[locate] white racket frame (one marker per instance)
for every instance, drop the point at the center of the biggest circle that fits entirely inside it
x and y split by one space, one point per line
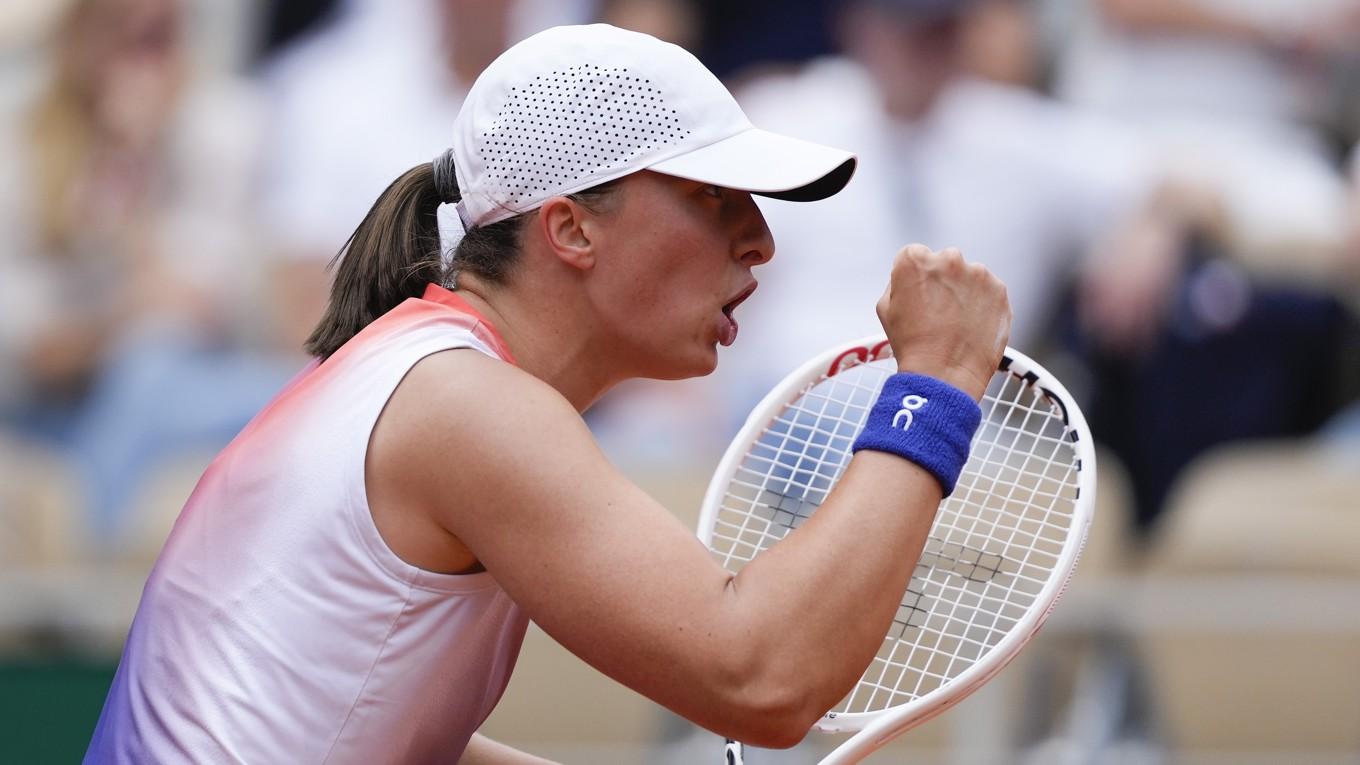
874 729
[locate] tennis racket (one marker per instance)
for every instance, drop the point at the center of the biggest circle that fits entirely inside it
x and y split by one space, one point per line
999 555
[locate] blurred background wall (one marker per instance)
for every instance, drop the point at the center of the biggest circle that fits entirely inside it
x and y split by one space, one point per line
1170 189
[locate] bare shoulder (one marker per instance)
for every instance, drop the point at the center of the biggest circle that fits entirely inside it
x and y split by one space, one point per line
453 392
467 426
465 403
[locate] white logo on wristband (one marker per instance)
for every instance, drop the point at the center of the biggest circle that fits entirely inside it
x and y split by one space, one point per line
910 403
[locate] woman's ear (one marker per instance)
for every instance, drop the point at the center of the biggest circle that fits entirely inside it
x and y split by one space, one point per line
565 228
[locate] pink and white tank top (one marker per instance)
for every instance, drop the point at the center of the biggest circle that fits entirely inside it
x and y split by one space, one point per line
277 625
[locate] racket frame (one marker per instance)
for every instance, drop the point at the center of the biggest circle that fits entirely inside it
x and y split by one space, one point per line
874 729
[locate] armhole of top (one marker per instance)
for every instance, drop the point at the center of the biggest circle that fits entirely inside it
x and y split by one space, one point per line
361 514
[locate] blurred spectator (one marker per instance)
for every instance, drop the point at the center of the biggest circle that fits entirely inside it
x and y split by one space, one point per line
1003 42
284 21
128 259
1257 61
1235 358
754 34
1230 94
1239 333
364 100
675 21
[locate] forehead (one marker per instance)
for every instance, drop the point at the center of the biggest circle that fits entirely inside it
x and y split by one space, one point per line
652 204
648 187
647 205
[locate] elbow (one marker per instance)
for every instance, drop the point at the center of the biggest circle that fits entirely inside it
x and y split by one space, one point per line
790 733
772 724
771 709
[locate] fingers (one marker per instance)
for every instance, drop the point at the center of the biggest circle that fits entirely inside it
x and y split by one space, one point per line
945 316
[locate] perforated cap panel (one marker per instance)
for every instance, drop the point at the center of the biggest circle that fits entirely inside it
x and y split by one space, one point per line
571 125
573 107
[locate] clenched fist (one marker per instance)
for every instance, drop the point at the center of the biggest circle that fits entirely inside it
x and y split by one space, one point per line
945 318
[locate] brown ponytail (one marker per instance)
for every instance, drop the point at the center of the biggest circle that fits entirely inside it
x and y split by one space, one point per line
391 256
395 252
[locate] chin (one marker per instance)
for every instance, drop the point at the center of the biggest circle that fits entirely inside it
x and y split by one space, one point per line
693 365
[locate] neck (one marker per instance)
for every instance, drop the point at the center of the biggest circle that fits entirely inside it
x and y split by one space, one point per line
545 337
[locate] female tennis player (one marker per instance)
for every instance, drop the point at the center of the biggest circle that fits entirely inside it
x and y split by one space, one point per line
353 575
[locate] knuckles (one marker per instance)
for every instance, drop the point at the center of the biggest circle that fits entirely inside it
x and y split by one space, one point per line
917 262
916 259
939 303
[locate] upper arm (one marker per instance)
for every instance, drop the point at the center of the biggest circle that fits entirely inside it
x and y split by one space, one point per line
509 468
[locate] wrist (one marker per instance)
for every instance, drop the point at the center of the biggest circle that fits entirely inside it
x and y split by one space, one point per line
965 380
925 420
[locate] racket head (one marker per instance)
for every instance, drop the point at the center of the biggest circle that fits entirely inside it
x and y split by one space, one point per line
999 555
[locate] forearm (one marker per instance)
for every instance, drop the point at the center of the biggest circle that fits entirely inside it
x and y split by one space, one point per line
841 576
483 751
760 656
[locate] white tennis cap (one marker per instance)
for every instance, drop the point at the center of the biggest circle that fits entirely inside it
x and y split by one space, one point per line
573 107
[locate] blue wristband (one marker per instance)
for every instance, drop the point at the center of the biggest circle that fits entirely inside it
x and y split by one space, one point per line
925 420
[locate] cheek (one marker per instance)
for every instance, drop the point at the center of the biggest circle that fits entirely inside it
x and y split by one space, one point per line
670 277
661 303
664 285
662 310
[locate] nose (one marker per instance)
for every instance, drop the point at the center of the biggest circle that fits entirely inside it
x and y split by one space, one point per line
753 244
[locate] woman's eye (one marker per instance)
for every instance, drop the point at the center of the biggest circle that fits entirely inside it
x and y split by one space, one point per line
713 191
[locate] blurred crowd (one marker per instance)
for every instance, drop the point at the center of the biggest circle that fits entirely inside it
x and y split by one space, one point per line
1169 188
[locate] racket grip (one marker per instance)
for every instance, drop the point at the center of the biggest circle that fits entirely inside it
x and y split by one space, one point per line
733 753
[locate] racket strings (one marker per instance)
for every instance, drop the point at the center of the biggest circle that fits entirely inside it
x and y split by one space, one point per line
993 546
1023 441
790 469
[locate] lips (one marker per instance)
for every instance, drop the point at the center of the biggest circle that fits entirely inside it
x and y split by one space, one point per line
727 325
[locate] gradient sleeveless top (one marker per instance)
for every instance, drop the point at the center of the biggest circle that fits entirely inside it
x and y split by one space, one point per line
277 625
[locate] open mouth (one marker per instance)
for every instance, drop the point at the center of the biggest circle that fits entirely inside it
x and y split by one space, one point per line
727 326
736 301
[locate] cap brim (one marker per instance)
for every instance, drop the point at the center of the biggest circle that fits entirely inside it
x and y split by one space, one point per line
767 164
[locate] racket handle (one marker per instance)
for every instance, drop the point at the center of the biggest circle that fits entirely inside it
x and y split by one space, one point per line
733 753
